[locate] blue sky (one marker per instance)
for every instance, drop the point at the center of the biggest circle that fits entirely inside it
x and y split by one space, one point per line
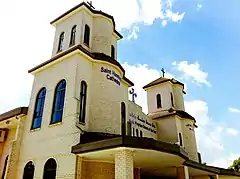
196 41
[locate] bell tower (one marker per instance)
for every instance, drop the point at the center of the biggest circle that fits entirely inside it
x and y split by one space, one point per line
166 107
83 25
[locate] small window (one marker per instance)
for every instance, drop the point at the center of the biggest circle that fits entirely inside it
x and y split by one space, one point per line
159 101
123 118
83 98
60 43
112 51
141 134
38 110
28 171
86 35
133 132
180 139
50 169
129 128
172 99
5 168
58 102
73 35
137 133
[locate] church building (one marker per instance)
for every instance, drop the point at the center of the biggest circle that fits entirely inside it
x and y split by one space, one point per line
80 123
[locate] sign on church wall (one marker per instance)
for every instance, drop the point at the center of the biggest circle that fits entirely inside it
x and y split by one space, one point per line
142 123
111 75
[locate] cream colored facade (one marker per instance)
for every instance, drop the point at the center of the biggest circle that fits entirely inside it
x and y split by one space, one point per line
116 139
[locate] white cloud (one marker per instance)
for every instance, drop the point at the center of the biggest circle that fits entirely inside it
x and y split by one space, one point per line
232 131
133 34
199 6
225 161
233 110
129 13
192 72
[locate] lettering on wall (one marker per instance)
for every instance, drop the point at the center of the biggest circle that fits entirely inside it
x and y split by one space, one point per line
142 123
111 75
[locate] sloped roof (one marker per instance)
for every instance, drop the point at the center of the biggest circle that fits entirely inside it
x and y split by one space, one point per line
93 11
14 112
171 112
162 80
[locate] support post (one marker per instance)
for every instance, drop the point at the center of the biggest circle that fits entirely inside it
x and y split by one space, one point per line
182 172
124 164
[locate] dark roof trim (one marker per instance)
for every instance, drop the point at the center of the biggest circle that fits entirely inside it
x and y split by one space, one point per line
131 142
14 112
173 81
95 56
217 170
93 11
180 113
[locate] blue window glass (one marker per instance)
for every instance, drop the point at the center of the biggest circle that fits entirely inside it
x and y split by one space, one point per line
58 103
38 110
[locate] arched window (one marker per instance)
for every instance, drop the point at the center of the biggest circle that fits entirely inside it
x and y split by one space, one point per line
58 102
112 51
60 43
83 98
5 167
137 133
123 118
172 99
73 35
50 169
180 139
141 134
38 110
159 101
86 35
28 171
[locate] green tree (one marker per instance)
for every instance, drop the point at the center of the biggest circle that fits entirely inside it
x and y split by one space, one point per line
235 165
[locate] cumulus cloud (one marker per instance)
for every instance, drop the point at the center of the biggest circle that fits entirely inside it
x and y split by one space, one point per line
134 33
233 110
128 13
199 6
232 131
192 72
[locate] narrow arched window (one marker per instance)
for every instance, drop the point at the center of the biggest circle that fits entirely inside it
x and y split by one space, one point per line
137 133
180 139
73 35
28 171
172 99
4 168
141 134
159 101
112 51
38 110
123 118
86 35
50 169
58 102
83 99
60 43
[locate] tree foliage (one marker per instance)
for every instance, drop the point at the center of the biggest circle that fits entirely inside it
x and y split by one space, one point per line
235 165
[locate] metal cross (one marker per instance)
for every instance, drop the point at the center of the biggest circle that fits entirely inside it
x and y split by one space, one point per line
163 72
90 4
134 95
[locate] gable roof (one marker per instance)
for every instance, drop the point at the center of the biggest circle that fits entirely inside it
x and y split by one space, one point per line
162 80
14 112
93 11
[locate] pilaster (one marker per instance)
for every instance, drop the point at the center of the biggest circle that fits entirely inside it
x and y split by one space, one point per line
124 164
182 172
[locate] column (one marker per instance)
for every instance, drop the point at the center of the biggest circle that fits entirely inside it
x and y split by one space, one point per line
79 167
124 164
182 172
